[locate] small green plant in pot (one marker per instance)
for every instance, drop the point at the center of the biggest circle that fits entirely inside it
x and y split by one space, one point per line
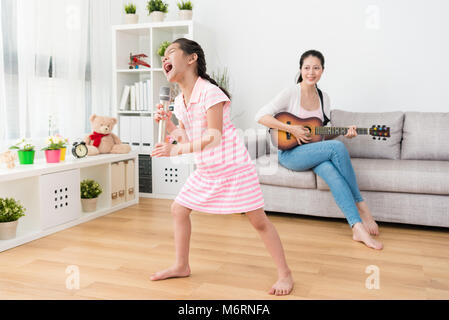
157 10
131 17
90 190
10 212
25 151
185 10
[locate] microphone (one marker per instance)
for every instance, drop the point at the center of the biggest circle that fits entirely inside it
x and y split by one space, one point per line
164 97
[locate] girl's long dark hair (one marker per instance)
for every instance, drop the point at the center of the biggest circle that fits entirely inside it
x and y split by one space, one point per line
191 47
307 54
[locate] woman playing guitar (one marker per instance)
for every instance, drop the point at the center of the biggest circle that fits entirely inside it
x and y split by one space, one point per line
329 159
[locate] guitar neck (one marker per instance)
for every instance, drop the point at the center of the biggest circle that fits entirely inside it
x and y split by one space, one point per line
334 131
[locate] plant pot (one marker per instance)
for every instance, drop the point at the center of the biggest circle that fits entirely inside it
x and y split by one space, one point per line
131 18
89 205
26 157
157 16
185 14
53 156
8 230
63 151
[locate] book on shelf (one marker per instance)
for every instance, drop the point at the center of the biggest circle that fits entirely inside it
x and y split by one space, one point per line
125 95
133 98
142 99
148 95
145 98
136 97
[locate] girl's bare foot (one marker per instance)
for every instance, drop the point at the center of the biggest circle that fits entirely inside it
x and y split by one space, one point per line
172 272
359 233
283 286
367 219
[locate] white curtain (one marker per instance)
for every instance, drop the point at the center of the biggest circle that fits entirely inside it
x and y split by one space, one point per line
52 54
55 64
2 88
101 57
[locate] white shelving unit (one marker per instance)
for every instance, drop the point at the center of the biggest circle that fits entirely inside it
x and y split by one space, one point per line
29 184
146 38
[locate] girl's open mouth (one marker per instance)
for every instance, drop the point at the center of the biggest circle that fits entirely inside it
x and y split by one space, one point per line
167 67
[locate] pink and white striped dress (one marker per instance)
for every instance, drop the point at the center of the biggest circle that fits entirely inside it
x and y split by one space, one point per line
225 180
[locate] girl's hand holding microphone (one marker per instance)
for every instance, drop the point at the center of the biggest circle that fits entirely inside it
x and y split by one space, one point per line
162 149
162 115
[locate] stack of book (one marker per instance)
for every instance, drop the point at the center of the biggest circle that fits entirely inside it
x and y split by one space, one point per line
136 97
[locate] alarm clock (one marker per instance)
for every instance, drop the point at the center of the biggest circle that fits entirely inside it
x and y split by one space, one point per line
79 149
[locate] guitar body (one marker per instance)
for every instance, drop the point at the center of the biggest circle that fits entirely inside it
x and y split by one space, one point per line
286 141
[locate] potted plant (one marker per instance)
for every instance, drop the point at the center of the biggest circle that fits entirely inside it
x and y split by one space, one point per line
185 10
63 143
90 190
10 212
161 50
25 150
131 17
222 78
53 148
157 10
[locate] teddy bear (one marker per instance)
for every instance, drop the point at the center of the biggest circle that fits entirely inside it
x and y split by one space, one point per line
8 157
102 140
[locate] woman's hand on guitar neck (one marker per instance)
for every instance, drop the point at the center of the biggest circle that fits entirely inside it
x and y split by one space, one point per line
352 133
301 134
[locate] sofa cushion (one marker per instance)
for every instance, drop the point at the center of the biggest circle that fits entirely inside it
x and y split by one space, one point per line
363 146
425 136
411 176
271 172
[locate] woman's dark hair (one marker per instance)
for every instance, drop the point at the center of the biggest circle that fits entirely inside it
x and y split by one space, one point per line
307 54
191 47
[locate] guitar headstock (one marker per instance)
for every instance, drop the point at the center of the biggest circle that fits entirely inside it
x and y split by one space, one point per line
380 132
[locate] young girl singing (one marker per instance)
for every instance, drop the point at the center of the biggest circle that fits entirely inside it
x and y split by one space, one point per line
225 180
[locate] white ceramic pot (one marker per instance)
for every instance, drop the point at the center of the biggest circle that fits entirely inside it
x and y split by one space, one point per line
89 205
8 230
157 16
131 18
185 14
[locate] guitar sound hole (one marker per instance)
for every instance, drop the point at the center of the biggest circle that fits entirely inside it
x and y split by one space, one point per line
288 133
308 128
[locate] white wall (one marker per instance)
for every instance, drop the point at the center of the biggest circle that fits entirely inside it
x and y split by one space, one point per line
380 55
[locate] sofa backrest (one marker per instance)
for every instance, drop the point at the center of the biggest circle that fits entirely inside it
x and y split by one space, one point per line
425 136
363 146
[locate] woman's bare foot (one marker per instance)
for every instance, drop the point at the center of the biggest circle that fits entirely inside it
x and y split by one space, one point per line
359 233
172 272
367 219
283 286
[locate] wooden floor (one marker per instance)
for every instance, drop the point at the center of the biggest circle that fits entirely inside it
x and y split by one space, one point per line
117 253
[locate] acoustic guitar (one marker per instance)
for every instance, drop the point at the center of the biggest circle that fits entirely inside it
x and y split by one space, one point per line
285 141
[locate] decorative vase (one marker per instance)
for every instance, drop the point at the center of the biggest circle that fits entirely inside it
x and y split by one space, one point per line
63 151
89 205
53 156
8 230
157 16
26 157
131 18
185 14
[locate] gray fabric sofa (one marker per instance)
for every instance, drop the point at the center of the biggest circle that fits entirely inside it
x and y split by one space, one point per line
404 179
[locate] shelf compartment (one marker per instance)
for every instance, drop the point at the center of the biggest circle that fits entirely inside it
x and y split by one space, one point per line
60 197
100 174
135 41
26 191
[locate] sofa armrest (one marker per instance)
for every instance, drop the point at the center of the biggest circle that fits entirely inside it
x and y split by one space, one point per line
256 143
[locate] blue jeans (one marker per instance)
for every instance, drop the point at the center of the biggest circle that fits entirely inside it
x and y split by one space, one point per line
330 160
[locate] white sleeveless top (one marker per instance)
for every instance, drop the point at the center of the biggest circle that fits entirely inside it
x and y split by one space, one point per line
290 100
